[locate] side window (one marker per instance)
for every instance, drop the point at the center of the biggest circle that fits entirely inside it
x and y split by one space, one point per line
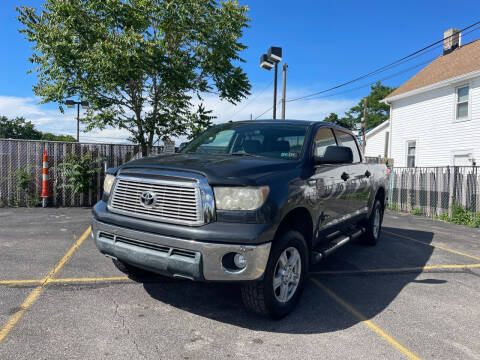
411 150
323 138
348 140
462 103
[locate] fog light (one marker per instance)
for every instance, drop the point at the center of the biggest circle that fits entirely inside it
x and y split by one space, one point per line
240 261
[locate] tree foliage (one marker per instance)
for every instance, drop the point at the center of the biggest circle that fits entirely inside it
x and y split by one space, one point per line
143 65
377 112
79 172
19 128
344 121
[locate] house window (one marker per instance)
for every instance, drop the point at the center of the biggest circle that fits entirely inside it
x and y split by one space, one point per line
462 102
411 149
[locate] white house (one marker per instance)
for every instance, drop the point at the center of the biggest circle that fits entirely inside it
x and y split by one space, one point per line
377 140
435 115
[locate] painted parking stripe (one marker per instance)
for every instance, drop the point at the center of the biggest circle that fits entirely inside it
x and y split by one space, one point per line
435 246
98 279
396 270
33 296
367 322
324 272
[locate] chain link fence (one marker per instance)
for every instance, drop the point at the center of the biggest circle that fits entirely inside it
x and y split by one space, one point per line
444 192
21 170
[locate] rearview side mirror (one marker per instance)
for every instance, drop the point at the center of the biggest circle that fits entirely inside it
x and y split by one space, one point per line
335 155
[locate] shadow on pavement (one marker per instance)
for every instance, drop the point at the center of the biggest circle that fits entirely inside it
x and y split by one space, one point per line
316 312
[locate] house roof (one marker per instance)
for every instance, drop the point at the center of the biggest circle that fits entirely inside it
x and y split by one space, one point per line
462 60
373 131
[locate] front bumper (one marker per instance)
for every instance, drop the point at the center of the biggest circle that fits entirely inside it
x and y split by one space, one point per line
178 257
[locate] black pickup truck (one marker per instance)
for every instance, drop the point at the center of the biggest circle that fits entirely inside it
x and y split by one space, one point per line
253 202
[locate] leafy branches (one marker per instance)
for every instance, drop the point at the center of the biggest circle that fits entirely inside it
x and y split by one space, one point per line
143 65
377 112
79 172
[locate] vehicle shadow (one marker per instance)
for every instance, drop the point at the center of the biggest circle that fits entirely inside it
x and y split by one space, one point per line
317 312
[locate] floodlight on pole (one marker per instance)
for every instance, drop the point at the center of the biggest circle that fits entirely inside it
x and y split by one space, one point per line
275 53
265 62
268 61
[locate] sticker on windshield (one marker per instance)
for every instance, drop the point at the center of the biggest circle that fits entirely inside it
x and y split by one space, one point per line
289 154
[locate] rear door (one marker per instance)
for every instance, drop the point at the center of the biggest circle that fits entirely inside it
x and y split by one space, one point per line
325 188
357 175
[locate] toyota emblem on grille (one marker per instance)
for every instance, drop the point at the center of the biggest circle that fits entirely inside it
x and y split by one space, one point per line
148 199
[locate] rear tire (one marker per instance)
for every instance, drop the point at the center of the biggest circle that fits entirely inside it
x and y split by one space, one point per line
277 294
374 224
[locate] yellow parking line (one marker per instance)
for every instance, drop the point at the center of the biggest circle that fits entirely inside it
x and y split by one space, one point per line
367 322
395 270
99 279
19 282
38 290
435 246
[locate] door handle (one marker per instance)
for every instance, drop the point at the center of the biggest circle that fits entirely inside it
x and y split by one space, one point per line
368 173
345 176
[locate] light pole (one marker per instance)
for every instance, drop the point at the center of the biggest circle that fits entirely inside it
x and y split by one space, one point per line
269 61
71 104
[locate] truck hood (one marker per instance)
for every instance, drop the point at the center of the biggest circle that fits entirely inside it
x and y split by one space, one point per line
218 169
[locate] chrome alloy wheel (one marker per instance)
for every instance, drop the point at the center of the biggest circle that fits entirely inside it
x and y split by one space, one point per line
287 274
376 223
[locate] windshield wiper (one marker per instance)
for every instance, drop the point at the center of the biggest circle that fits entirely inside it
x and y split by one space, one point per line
243 154
226 154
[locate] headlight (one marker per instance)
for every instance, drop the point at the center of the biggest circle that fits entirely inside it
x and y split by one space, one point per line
240 198
108 183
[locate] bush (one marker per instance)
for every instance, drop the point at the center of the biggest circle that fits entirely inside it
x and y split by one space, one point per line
417 211
462 216
393 206
24 189
79 172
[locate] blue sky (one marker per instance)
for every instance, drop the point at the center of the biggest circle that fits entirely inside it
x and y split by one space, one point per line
325 42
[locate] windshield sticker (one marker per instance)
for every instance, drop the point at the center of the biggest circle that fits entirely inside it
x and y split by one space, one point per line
289 154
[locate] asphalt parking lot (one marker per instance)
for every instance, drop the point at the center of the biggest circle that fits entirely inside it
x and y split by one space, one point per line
415 295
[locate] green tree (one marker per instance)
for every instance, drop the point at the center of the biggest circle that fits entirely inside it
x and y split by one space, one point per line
139 63
377 112
19 128
52 137
345 122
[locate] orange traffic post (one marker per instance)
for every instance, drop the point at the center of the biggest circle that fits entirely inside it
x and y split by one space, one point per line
45 187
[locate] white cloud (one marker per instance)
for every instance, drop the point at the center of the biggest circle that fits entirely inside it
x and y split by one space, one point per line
52 120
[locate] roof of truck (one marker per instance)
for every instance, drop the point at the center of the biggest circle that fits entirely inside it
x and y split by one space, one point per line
293 121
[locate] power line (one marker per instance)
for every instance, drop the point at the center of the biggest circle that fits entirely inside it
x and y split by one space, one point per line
249 102
383 68
404 59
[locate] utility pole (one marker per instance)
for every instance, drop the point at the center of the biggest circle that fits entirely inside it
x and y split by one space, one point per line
275 92
78 122
364 123
71 104
284 89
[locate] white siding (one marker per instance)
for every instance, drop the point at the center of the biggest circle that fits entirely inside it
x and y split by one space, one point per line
429 119
375 140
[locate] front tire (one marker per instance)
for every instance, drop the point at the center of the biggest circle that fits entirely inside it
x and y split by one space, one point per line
277 294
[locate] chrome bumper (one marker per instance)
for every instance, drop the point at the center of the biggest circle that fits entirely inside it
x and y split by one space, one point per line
163 254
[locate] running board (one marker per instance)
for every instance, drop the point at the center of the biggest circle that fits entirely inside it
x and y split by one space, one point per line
332 246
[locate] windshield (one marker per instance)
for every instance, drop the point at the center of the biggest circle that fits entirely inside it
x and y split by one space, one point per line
282 141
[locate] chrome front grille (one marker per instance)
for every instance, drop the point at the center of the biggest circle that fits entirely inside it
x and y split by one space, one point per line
175 202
